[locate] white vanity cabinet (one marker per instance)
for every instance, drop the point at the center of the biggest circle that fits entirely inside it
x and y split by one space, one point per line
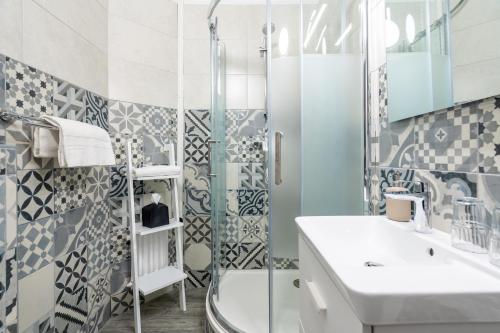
323 308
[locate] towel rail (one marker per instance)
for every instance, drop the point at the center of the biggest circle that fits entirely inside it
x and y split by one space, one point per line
6 115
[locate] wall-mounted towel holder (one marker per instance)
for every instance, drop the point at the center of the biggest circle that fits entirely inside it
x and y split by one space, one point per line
6 115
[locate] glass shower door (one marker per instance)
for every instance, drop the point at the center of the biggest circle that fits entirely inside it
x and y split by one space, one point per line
216 151
315 105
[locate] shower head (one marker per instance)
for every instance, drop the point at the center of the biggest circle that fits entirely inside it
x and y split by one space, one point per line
264 28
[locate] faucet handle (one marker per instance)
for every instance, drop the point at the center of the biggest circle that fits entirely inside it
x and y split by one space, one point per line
420 186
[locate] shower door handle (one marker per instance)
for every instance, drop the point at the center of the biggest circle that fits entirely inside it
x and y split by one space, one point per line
278 136
210 142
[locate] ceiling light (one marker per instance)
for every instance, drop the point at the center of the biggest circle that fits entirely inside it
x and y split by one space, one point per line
391 30
320 37
410 28
283 41
315 24
344 34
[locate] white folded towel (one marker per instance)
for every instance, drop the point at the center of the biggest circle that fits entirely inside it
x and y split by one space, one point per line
45 142
81 144
157 170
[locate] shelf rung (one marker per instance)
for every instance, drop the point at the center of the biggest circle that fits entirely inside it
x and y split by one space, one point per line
142 230
160 279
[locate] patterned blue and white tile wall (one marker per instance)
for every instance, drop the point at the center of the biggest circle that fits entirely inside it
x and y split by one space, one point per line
244 238
455 150
64 253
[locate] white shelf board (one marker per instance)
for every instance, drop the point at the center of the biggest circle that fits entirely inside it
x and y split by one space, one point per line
156 177
160 279
142 230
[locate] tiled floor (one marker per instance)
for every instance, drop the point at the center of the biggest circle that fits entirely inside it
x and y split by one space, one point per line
164 315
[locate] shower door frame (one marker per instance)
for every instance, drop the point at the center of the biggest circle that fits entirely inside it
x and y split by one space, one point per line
271 138
216 151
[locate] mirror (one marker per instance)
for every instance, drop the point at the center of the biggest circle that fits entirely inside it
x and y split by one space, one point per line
440 53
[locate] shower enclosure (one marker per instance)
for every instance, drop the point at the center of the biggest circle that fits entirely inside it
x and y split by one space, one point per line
299 151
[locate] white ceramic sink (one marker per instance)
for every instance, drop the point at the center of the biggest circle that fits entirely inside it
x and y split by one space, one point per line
451 286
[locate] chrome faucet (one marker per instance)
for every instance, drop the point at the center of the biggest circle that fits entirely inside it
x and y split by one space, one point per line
422 199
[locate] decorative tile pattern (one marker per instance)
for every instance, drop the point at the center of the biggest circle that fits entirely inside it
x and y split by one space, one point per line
119 187
96 110
250 150
97 220
119 245
397 143
98 256
233 118
232 202
252 256
374 191
155 150
68 177
122 302
120 276
387 177
69 100
232 150
97 184
444 187
119 147
19 134
489 135
197 123
28 90
448 140
9 297
197 229
231 253
7 160
35 246
35 196
197 202
69 198
195 150
2 80
71 291
125 118
252 123
252 229
70 231
252 202
231 229
198 279
252 176
197 256
285 263
160 121
99 301
8 202
196 176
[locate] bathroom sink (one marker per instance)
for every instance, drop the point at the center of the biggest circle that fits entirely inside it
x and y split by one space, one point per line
390 274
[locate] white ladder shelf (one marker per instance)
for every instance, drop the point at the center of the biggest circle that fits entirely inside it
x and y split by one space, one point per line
151 270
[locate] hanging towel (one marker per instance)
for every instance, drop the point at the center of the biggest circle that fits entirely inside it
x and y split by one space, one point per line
81 144
46 142
158 170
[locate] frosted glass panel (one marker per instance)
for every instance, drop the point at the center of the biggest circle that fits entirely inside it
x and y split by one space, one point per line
285 101
332 137
408 85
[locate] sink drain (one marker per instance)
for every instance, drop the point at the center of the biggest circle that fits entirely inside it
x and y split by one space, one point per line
296 283
372 264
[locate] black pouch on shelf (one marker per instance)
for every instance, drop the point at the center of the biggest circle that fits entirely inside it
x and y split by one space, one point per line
155 215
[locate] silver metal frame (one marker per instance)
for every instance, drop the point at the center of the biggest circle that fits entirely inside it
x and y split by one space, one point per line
211 8
6 115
